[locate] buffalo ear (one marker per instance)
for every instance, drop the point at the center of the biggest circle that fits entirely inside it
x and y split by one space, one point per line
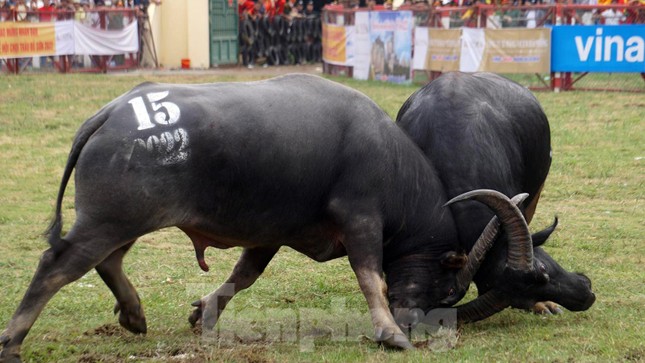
540 237
453 260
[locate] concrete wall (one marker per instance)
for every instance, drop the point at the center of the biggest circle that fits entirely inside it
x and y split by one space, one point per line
181 31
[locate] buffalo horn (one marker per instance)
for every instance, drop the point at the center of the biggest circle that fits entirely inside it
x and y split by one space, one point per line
520 245
482 307
481 247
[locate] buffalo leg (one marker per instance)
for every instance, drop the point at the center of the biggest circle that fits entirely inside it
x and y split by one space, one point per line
248 268
363 243
366 261
128 304
54 271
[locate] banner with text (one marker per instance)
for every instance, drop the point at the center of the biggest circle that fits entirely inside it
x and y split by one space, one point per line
492 50
442 50
602 48
517 51
337 44
64 38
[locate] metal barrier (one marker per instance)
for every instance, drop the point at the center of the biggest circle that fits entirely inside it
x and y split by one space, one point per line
510 16
99 18
277 40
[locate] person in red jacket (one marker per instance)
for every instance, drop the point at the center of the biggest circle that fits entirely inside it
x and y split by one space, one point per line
46 13
245 8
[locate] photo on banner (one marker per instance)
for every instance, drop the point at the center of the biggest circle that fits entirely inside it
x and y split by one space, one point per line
391 46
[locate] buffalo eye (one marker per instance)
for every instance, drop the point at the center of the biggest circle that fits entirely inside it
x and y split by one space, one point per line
451 291
543 276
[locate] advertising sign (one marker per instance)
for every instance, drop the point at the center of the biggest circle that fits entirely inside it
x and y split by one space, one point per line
391 46
517 51
444 46
334 42
18 40
589 48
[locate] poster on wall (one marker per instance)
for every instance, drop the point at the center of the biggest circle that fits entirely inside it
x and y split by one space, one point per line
383 46
391 46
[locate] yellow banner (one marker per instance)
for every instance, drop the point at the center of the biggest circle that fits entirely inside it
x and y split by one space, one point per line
517 51
444 48
26 39
334 44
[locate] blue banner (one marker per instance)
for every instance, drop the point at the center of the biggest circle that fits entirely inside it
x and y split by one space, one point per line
608 48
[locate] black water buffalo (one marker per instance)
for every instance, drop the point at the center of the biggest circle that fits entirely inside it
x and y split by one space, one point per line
485 131
332 177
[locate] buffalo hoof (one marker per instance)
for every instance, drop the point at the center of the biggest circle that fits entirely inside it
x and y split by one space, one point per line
391 339
8 355
546 308
132 318
13 358
196 315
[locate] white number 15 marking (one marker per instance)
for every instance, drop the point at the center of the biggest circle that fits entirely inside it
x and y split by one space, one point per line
161 118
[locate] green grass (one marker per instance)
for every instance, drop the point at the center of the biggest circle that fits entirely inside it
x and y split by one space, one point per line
596 187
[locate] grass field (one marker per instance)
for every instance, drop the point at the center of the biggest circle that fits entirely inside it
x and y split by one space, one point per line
596 187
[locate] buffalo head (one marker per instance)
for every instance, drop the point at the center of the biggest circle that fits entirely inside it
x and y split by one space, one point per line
522 273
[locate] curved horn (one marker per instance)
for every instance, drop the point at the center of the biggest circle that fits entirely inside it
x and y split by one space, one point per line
520 246
488 304
481 247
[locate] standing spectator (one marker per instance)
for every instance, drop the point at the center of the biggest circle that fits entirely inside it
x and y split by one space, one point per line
270 7
65 10
531 15
512 18
258 9
21 10
5 10
632 13
79 12
612 16
298 10
245 8
46 13
309 9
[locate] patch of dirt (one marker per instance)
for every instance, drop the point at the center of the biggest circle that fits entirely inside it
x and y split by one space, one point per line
106 330
635 355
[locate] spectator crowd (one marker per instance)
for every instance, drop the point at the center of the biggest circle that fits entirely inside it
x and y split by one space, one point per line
51 10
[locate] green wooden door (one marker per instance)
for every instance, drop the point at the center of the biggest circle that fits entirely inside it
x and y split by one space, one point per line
223 32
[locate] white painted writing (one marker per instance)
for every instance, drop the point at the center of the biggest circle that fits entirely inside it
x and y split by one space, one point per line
171 147
605 48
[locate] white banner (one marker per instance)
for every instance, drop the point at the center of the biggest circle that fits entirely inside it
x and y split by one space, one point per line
64 32
362 45
420 47
91 41
473 42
